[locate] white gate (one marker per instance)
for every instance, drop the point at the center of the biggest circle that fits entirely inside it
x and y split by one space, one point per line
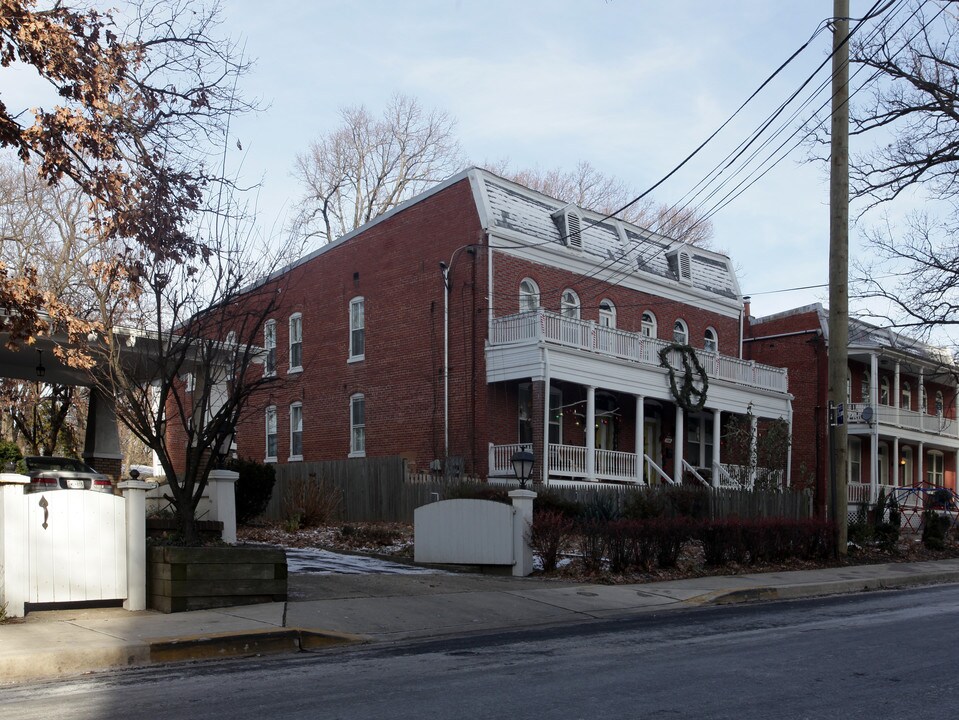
76 544
464 531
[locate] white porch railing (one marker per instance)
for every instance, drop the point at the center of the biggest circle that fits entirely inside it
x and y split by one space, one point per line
909 419
501 458
567 460
861 493
546 326
615 465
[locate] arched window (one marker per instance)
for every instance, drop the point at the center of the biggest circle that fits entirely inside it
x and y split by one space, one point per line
569 305
528 295
865 386
906 400
680 333
607 314
649 324
884 391
711 340
939 403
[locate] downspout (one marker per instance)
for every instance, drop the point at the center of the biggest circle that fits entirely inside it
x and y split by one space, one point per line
446 361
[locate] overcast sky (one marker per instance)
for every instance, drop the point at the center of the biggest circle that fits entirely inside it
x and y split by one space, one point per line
632 86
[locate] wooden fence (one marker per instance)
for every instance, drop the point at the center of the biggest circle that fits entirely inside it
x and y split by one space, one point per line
381 490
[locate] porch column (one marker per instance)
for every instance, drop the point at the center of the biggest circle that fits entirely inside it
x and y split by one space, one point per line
101 449
955 409
874 465
678 446
922 453
590 432
753 460
640 439
874 385
897 401
897 480
717 424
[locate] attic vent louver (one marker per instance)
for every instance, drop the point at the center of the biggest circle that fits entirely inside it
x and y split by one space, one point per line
569 224
680 264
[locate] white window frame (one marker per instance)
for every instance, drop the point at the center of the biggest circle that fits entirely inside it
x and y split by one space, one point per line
940 403
935 468
296 342
648 326
296 428
680 332
357 429
271 429
855 460
884 463
865 387
528 295
607 313
269 345
711 340
569 305
357 329
905 393
884 391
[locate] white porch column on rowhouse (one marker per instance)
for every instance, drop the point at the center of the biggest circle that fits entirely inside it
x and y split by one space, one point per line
641 439
717 424
590 432
897 473
678 446
922 452
753 460
923 400
897 397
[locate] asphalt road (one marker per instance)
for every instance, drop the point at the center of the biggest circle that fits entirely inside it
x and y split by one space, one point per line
879 655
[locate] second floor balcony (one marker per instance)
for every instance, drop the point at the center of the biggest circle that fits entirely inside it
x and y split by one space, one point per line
894 417
553 328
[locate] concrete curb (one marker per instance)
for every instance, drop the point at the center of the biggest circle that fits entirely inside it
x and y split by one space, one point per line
238 644
833 587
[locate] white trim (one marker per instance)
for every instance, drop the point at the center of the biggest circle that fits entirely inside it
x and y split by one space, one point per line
608 312
652 326
714 340
267 337
270 411
298 405
570 305
683 329
297 316
354 425
524 294
351 355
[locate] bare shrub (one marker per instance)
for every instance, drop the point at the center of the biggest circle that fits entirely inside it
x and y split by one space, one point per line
310 502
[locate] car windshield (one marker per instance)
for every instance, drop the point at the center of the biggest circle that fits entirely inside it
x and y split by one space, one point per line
57 463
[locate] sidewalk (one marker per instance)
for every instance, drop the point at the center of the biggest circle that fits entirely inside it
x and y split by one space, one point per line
326 610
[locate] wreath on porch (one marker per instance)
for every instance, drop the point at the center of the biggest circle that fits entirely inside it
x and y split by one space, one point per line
689 397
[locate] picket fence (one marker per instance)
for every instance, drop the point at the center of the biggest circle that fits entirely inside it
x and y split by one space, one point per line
382 490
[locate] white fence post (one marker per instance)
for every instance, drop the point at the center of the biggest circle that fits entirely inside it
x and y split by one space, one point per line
222 484
14 558
134 493
522 521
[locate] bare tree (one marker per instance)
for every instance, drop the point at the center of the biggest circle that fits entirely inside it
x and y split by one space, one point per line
589 188
185 373
914 97
369 165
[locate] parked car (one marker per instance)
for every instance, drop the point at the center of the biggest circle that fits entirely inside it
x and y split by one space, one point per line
61 473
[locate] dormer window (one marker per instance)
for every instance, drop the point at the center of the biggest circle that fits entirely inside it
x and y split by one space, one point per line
570 225
680 264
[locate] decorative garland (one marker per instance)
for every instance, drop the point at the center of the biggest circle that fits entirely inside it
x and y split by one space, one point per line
685 396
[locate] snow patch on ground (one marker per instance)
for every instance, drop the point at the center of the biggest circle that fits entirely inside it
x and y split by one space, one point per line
324 562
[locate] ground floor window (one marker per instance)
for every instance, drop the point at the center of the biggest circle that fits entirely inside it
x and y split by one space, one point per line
883 463
357 426
525 413
855 460
935 463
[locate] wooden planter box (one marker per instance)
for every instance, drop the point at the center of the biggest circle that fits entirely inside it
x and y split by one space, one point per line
188 578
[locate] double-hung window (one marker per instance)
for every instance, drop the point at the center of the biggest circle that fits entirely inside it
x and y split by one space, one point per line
357 426
357 329
269 344
296 431
296 343
271 438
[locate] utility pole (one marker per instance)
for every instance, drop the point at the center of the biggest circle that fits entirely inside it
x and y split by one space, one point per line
839 270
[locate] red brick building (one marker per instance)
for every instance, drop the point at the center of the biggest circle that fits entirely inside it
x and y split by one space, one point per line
900 409
481 317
